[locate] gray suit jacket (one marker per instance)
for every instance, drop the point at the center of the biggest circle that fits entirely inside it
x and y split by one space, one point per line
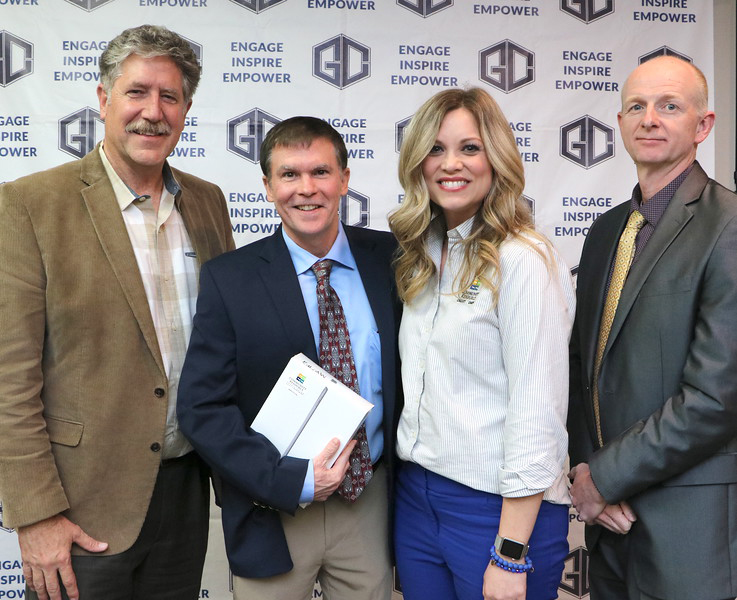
81 374
668 391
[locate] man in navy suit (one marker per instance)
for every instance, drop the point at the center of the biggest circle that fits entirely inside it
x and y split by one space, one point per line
257 308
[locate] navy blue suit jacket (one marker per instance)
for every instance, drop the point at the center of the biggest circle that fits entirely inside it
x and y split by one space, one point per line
250 321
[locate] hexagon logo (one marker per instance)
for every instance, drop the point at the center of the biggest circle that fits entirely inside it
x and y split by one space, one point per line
2 527
354 209
575 578
663 51
246 133
89 5
425 8
399 128
531 205
397 585
16 58
196 48
80 132
586 141
341 61
507 66
257 6
587 11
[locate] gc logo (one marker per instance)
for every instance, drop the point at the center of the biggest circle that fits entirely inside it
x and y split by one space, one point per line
16 58
354 209
88 5
80 132
663 51
586 141
587 10
1 520
246 132
397 587
257 5
531 204
341 61
196 48
575 580
399 127
425 8
507 66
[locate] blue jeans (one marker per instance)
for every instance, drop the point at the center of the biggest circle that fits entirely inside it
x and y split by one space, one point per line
443 531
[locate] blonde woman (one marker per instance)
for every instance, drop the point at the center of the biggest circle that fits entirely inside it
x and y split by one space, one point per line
484 347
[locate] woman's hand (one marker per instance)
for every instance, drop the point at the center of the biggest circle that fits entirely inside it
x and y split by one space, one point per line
503 585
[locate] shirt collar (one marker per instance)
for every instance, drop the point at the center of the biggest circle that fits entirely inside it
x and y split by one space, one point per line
462 231
303 260
654 208
124 194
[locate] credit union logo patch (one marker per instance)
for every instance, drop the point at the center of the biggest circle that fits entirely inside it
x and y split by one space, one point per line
246 132
341 61
80 132
507 66
16 58
586 142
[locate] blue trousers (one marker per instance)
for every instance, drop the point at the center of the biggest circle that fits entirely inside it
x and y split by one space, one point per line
443 531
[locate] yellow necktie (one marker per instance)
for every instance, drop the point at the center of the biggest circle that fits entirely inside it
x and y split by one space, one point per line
622 262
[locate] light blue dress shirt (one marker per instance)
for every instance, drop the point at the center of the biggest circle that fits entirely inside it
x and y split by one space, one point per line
365 342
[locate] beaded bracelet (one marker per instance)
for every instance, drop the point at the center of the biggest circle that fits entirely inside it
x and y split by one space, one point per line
510 566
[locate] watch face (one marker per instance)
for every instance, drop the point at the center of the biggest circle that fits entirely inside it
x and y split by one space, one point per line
511 549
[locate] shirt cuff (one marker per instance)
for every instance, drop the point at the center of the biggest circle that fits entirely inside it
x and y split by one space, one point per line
308 487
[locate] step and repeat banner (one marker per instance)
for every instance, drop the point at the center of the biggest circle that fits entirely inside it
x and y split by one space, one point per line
556 67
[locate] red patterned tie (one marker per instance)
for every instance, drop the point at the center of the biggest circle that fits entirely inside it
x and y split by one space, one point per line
336 357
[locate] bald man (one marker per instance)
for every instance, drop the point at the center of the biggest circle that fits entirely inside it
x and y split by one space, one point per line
653 406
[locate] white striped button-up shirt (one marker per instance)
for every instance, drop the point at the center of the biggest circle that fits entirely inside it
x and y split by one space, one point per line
486 387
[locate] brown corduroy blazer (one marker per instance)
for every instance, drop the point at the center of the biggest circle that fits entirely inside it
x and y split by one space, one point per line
81 377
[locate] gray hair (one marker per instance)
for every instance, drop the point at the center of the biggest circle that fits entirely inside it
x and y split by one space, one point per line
149 41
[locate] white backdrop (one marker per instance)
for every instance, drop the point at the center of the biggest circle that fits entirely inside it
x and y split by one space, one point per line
554 66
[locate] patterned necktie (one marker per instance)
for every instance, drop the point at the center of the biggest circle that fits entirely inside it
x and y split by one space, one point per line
336 357
622 262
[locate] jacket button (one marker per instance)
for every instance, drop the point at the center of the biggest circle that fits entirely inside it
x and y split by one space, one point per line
155 447
159 392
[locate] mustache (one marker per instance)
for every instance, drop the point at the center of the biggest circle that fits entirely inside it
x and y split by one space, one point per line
144 127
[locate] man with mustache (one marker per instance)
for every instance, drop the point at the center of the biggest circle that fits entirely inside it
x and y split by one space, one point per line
98 283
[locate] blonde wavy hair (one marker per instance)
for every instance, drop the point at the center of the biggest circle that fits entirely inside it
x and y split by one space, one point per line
503 213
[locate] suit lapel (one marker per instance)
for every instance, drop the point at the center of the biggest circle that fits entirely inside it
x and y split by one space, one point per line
107 220
280 280
374 278
195 216
192 216
377 283
674 219
603 249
